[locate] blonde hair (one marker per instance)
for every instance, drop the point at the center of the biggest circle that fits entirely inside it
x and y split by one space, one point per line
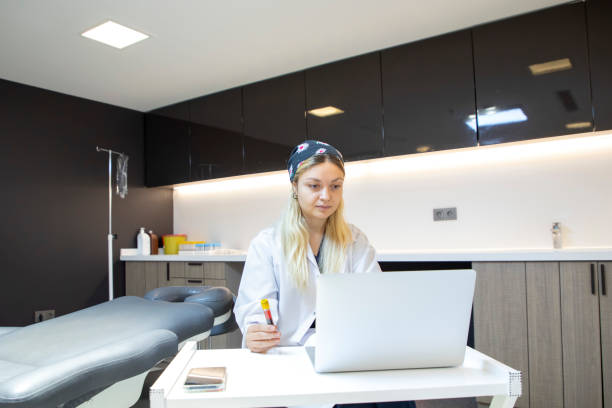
295 238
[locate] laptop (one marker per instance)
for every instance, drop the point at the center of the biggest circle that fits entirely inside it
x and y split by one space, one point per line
392 320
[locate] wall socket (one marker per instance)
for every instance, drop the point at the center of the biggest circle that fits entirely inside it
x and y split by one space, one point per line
445 214
41 315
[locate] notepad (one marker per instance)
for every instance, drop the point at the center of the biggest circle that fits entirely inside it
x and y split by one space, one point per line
205 379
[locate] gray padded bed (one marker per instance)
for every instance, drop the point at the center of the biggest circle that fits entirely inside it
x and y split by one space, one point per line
65 361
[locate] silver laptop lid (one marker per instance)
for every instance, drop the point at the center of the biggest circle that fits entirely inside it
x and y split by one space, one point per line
393 320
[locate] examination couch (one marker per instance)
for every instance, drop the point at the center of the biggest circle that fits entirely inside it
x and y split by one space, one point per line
98 356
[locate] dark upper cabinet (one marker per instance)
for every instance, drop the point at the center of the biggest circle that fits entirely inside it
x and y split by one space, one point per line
274 121
353 86
167 145
216 135
599 16
532 77
428 95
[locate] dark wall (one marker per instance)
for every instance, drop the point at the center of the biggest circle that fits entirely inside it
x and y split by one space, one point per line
54 202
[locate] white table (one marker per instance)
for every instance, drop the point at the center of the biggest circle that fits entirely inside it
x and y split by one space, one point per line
285 376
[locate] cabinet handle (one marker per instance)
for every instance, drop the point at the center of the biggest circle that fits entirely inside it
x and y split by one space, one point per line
603 279
167 271
194 280
194 263
593 279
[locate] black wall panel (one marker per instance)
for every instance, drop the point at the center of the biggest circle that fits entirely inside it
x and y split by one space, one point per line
55 200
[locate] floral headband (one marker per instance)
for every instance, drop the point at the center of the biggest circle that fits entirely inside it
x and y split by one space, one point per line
305 151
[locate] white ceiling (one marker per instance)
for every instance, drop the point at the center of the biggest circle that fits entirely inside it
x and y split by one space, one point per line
199 47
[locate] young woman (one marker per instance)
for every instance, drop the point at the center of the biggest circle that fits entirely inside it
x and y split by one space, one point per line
312 238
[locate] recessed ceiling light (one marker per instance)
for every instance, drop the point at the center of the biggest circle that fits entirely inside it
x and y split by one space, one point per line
577 125
423 149
551 66
115 35
325 111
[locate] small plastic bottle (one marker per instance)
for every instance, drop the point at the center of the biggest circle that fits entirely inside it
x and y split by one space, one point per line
154 243
556 235
143 242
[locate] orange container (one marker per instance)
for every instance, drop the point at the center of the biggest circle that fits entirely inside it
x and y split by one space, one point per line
171 243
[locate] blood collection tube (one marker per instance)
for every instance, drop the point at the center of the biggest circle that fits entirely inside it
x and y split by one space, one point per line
266 308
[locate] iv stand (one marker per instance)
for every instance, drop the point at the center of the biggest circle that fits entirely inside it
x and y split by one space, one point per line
111 236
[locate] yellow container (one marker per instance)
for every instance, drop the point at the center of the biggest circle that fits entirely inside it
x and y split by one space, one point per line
171 243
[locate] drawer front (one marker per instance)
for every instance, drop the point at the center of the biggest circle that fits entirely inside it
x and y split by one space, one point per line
194 270
215 282
214 270
177 269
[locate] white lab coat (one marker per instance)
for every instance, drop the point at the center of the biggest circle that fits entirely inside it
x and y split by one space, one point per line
265 276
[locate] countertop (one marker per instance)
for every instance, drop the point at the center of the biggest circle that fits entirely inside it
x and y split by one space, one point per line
442 255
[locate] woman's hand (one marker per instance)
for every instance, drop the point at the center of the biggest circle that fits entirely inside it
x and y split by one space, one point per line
262 337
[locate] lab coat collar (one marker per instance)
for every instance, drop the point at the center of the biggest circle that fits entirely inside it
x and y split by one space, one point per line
313 260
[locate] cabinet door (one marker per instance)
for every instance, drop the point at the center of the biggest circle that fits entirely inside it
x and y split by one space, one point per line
544 329
428 95
517 96
500 317
352 86
581 336
177 269
166 150
600 32
151 275
274 121
194 270
134 278
216 135
605 312
141 277
165 279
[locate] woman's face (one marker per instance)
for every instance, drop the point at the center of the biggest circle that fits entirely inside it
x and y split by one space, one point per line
319 190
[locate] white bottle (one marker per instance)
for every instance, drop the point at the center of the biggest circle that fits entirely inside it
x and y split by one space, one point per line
144 242
556 233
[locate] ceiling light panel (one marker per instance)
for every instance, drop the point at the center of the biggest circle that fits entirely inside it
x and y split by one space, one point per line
115 35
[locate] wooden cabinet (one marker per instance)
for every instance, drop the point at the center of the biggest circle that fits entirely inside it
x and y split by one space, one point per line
552 321
352 86
544 335
428 95
141 277
532 77
599 15
605 321
500 317
274 121
582 369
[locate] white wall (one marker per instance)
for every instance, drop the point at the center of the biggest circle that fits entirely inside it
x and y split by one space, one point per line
507 196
